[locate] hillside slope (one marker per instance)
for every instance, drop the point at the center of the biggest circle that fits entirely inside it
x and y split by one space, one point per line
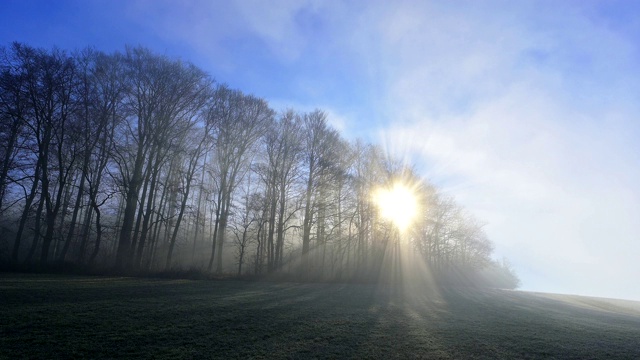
97 317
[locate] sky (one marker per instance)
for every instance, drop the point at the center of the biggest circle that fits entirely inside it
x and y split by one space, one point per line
524 111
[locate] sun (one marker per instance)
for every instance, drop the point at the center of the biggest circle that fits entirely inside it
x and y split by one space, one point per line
398 204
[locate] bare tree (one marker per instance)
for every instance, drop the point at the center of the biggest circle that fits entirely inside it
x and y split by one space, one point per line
163 97
99 101
77 130
247 216
282 146
194 154
241 120
319 141
48 94
13 112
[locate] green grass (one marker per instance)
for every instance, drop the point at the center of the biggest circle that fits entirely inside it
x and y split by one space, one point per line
44 316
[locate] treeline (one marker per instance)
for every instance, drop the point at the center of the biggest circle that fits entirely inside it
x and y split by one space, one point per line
143 162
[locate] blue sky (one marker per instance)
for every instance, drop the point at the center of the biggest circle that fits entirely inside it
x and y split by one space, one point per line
524 111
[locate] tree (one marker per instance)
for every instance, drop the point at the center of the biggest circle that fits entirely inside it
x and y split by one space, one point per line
77 130
99 110
241 120
162 98
197 138
318 143
282 145
49 85
248 215
13 112
108 76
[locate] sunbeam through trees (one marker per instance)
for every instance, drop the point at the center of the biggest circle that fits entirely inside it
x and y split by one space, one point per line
144 163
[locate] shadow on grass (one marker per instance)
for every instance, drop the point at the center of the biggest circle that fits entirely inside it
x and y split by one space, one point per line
114 317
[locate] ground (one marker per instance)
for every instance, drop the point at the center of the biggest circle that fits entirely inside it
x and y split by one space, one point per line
46 316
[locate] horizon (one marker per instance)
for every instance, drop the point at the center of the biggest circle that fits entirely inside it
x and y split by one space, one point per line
524 113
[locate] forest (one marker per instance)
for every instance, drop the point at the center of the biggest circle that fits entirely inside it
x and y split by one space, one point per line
143 163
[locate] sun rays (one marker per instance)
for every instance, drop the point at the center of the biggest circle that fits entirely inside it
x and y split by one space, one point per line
397 203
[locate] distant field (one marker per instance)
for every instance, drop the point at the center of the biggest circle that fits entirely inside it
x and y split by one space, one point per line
96 317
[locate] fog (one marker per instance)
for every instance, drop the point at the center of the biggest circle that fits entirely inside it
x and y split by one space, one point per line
524 112
526 117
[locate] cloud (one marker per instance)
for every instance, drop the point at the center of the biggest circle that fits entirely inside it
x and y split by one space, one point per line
523 111
525 120
280 25
282 30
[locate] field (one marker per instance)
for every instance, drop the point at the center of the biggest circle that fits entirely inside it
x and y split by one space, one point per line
47 316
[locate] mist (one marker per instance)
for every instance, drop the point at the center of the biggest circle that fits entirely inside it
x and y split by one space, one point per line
523 112
534 130
319 179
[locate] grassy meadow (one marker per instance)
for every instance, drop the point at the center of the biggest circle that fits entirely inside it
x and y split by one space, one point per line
49 316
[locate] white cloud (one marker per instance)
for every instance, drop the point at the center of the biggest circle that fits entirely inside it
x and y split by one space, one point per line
215 29
526 122
277 24
524 111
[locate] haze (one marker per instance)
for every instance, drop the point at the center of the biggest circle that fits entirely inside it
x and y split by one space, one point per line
525 112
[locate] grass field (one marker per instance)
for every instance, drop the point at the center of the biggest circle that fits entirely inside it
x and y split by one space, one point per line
45 316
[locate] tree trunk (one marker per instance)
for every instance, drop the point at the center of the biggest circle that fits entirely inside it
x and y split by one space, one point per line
6 162
183 205
195 237
96 248
215 231
25 214
271 249
306 225
37 228
280 229
148 214
131 202
76 208
221 232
